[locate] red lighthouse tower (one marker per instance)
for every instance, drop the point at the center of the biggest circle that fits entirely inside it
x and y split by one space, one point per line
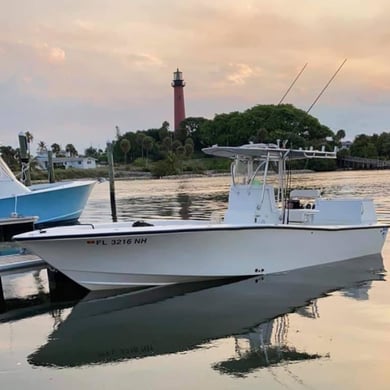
178 90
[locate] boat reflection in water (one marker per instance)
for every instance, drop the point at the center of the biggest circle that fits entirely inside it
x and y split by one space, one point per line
179 318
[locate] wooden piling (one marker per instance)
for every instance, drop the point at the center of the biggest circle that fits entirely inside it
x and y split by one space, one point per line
110 159
50 167
2 300
61 288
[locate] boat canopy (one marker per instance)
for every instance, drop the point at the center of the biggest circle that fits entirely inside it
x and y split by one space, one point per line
272 152
250 191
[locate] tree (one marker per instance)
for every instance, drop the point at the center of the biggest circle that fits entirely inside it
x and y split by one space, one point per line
91 152
165 125
192 127
139 139
383 145
55 148
42 148
363 146
176 144
125 147
9 155
261 135
148 144
163 132
284 122
188 148
71 150
340 134
166 144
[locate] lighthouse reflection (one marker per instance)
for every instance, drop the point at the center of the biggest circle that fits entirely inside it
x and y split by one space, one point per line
173 319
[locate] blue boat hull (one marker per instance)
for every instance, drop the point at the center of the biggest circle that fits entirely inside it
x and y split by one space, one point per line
53 205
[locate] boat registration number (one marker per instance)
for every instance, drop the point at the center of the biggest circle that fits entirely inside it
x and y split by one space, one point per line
119 241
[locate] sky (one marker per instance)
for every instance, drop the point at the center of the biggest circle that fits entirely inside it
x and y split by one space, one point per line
72 70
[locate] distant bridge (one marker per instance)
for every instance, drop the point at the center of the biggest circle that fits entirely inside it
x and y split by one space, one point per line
363 163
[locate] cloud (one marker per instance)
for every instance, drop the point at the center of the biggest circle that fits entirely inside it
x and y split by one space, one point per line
240 74
141 60
51 55
56 55
85 25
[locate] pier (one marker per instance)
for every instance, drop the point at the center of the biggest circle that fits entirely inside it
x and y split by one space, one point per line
15 225
12 264
60 287
363 163
20 263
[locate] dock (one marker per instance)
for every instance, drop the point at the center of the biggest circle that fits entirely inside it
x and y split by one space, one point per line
15 225
18 262
62 290
13 264
10 264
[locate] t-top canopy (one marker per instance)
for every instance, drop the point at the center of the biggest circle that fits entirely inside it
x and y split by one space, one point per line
267 151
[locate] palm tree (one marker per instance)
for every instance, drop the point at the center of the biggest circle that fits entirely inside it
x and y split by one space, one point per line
139 139
166 144
42 148
91 152
148 144
55 148
188 149
125 146
69 148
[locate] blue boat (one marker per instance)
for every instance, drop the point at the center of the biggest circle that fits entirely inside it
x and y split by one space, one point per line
53 203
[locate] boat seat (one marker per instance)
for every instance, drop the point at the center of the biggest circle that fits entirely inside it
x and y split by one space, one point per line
313 194
141 223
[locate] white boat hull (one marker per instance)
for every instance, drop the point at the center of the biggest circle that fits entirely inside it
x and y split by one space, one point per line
256 236
139 257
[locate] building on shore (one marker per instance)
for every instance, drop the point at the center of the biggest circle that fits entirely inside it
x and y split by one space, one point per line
75 162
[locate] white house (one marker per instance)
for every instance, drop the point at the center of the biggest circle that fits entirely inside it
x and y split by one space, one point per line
66 162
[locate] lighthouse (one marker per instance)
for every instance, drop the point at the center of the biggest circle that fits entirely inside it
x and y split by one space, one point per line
178 98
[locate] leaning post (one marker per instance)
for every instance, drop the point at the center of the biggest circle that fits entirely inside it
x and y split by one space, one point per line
110 159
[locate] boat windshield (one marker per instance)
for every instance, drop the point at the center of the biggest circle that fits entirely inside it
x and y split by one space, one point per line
249 171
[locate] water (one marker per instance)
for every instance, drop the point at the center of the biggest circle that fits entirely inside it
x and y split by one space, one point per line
318 329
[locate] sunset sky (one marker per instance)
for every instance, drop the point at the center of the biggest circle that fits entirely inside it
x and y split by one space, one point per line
71 70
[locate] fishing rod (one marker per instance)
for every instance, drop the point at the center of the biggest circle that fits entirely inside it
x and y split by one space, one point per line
326 86
307 111
292 84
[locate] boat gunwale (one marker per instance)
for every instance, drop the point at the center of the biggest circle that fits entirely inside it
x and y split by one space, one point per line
217 227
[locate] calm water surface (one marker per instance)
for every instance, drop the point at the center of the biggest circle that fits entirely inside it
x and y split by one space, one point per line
325 328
